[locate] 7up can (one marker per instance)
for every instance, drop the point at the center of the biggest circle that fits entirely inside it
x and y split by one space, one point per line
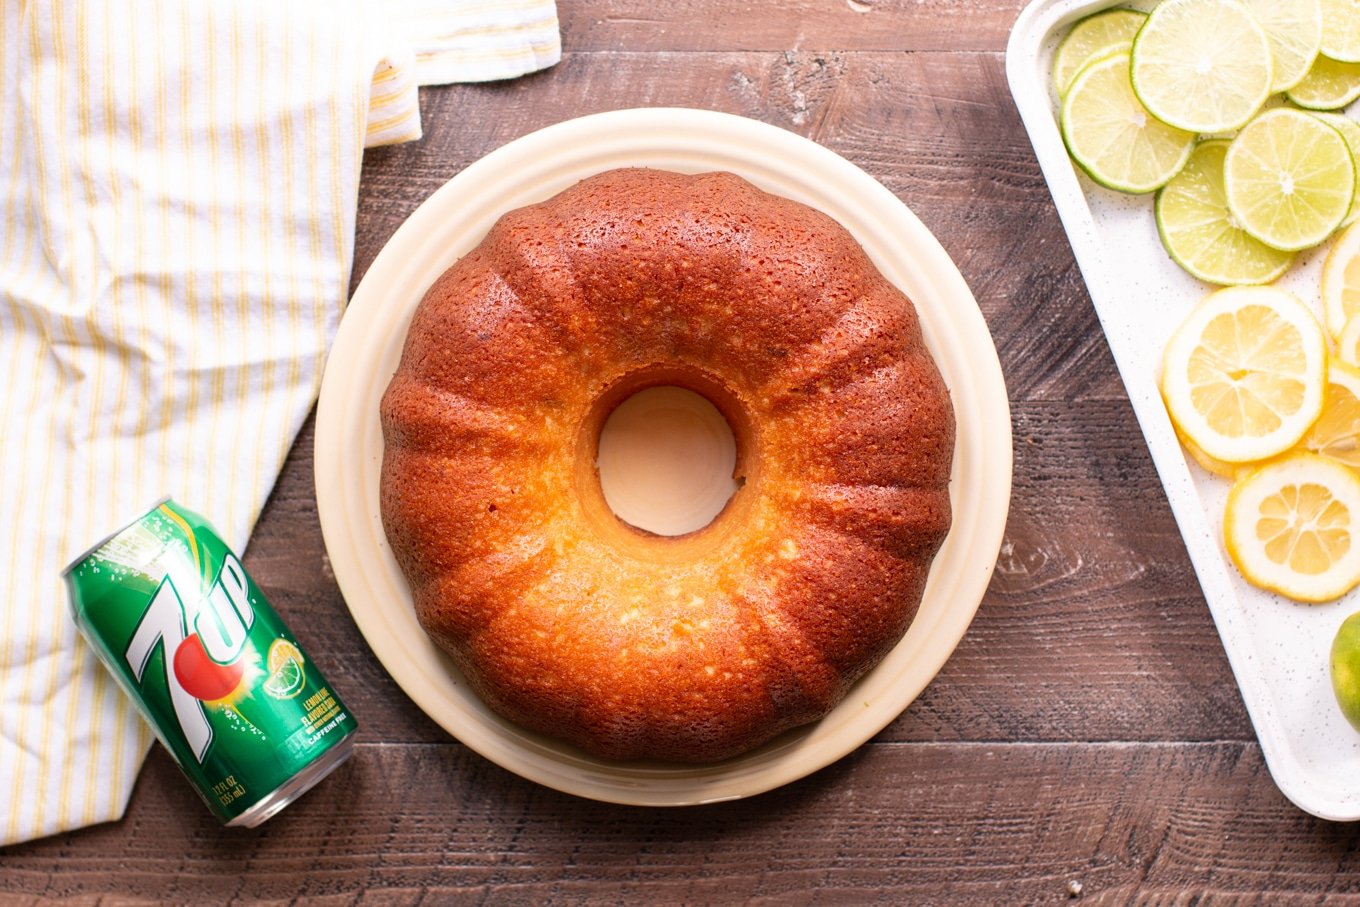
187 634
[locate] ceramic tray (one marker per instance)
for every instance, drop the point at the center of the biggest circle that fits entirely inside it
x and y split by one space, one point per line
1278 649
452 221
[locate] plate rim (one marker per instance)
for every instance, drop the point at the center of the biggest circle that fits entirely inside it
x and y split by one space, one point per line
650 137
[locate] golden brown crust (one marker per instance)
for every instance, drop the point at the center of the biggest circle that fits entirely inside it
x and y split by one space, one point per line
569 622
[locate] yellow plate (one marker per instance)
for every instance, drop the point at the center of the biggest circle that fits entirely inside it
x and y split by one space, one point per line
450 223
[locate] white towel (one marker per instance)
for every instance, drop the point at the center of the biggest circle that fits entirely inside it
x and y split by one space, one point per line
178 184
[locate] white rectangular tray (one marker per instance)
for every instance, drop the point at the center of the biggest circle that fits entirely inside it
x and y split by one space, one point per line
1278 649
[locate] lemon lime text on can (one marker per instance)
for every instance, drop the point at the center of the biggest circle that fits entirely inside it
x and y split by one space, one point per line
188 635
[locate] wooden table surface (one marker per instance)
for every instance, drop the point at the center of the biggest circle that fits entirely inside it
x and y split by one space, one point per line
1086 740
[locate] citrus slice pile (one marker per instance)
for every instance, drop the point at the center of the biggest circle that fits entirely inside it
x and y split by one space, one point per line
1211 70
1225 108
1248 384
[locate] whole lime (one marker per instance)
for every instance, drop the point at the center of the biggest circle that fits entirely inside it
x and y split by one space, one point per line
1346 668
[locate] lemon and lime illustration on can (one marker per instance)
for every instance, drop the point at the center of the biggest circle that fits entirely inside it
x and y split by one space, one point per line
211 666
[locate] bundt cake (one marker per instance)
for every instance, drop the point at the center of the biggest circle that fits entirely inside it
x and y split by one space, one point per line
570 622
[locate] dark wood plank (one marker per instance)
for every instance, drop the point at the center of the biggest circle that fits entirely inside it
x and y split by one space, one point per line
696 25
891 824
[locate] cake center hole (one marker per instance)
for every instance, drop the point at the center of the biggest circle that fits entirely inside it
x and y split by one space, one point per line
666 461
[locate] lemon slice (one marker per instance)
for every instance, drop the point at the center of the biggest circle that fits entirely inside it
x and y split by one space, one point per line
1200 234
1329 85
1243 375
1341 280
1341 29
1290 179
1336 433
1350 131
1348 344
1092 38
1202 65
1294 30
1293 527
1112 136
1208 463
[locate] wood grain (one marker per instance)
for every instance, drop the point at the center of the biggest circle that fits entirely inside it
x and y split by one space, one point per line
891 824
701 25
1086 741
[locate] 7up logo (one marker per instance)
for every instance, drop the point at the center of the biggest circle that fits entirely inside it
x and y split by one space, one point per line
202 636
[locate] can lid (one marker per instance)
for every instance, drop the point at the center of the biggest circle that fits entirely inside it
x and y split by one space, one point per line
105 540
274 801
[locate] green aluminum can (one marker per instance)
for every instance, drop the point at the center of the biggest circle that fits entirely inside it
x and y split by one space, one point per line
188 635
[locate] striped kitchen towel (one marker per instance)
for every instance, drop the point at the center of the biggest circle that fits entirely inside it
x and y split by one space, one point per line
178 185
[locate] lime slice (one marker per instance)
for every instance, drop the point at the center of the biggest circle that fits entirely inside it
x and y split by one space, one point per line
1112 136
1329 85
1350 131
1199 233
287 681
1289 179
281 650
1341 30
1294 30
1090 39
286 676
1202 65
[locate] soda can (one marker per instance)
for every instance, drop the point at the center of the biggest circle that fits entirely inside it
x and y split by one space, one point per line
229 692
